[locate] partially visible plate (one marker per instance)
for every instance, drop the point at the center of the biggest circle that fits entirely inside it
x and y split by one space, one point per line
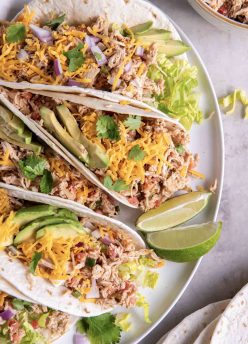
207 140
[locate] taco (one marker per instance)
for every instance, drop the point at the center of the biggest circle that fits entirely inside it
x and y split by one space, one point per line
27 162
105 45
140 160
23 321
81 263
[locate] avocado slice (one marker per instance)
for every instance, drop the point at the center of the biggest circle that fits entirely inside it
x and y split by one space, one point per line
11 120
34 147
26 215
62 230
172 48
141 28
155 34
97 156
29 231
65 213
25 137
52 124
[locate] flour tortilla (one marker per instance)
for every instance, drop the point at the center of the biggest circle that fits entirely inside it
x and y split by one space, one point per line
95 103
9 289
206 334
233 324
41 290
191 326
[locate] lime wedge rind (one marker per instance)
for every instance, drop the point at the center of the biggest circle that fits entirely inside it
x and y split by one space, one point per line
190 253
183 207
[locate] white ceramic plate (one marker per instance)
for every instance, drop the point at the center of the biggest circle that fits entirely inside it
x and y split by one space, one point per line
207 140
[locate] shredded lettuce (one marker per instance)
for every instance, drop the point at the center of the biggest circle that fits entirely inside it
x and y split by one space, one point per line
122 320
130 271
142 302
229 102
31 336
151 263
179 99
151 279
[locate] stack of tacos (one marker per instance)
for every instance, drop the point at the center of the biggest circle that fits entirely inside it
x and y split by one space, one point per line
80 131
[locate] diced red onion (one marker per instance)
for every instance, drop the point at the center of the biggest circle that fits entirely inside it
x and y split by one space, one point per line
94 291
96 234
14 250
57 67
46 263
22 55
71 82
101 46
80 339
7 314
106 240
128 66
43 35
111 81
91 40
139 51
96 51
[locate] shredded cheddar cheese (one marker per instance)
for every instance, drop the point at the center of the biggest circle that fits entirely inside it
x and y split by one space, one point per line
5 206
2 298
154 144
5 160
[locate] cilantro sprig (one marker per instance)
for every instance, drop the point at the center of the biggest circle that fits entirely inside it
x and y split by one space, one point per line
34 166
46 182
101 329
136 153
107 128
35 261
16 33
54 23
118 185
133 122
75 57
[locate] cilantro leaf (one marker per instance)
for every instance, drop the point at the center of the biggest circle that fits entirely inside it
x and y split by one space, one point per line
32 166
136 153
16 33
75 57
46 183
35 261
120 185
54 23
180 149
117 186
133 122
107 128
100 329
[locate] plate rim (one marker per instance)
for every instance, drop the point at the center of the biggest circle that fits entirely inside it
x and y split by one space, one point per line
222 164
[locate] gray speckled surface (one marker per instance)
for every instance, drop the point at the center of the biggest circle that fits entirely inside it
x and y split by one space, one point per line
225 270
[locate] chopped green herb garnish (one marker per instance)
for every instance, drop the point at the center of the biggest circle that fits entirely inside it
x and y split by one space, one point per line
90 262
16 33
76 294
117 186
75 57
46 183
101 329
107 128
32 166
35 261
54 23
133 122
136 153
180 149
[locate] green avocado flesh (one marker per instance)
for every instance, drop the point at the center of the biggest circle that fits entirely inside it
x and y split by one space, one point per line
28 232
61 230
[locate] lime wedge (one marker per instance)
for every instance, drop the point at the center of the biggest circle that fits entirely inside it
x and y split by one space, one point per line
184 244
173 212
